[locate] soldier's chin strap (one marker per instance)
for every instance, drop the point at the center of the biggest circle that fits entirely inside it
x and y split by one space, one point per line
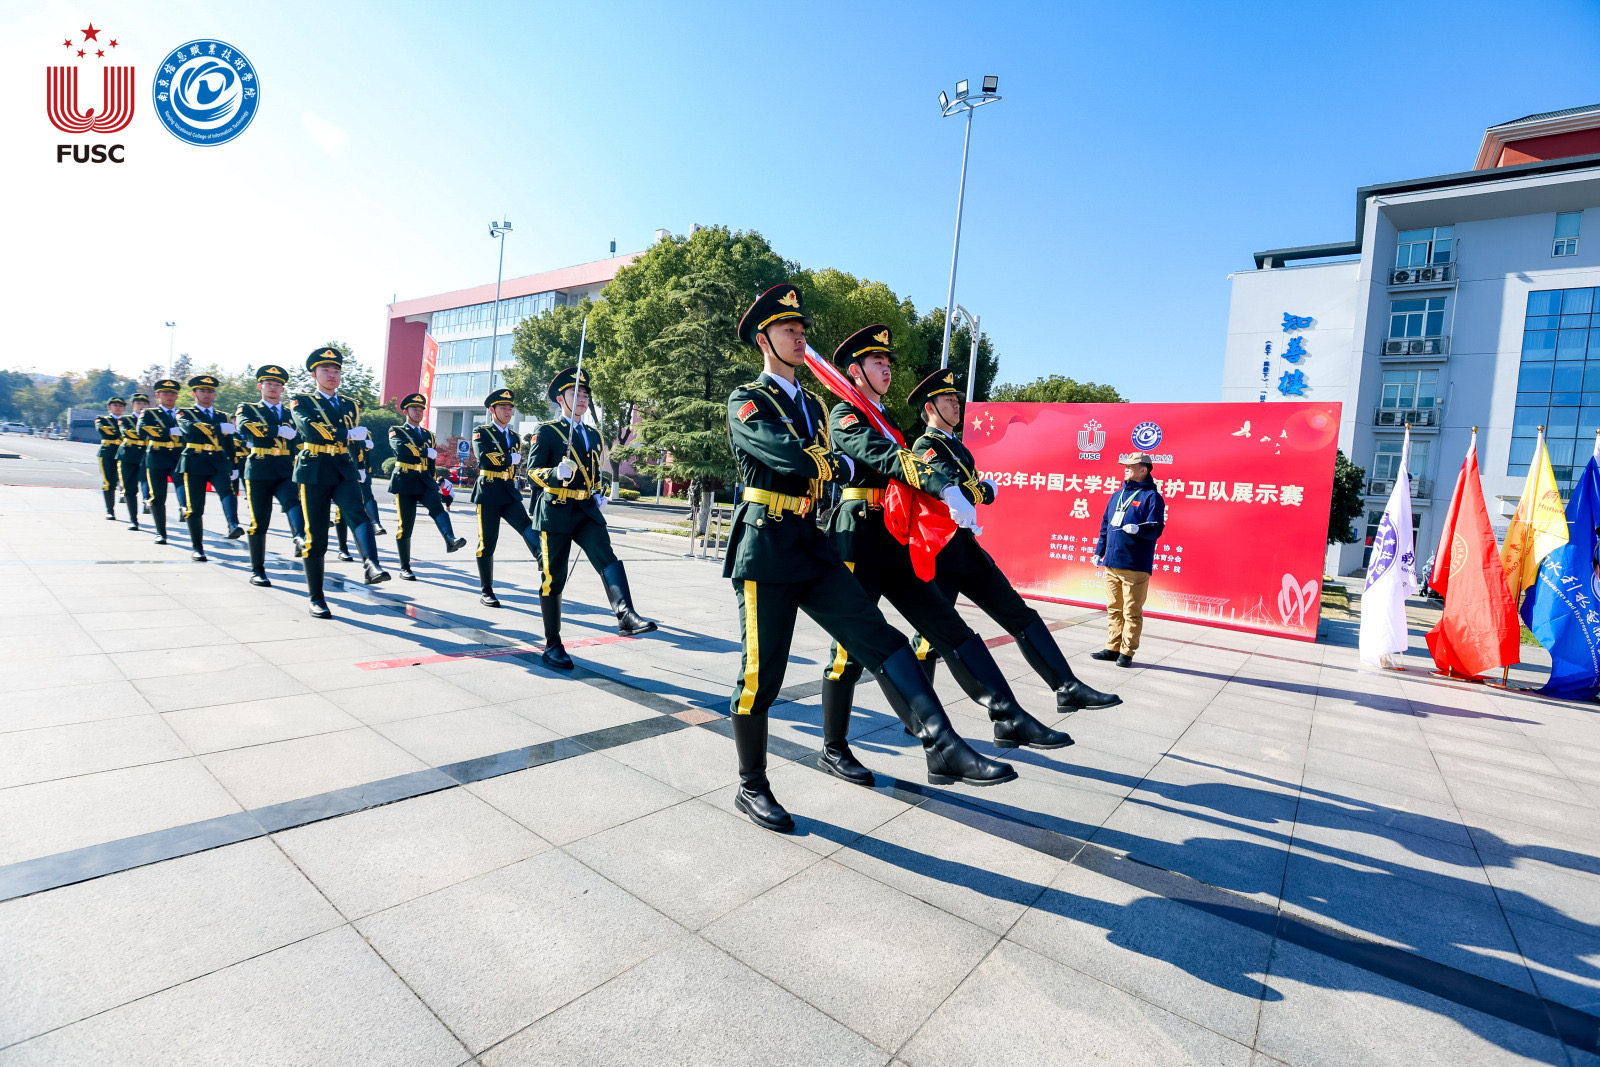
775 352
866 387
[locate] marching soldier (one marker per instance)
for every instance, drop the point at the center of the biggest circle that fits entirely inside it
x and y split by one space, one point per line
267 429
882 564
325 423
965 568
109 426
159 426
130 459
361 453
498 450
780 562
566 467
415 465
207 457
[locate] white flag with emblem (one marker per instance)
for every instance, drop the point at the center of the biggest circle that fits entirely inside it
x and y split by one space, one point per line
1391 575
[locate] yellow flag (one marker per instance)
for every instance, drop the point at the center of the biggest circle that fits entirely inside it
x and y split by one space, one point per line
1539 526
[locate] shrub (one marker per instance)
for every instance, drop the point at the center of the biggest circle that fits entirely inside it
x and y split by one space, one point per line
628 494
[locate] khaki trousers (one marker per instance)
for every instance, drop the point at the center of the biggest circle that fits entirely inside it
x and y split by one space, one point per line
1125 593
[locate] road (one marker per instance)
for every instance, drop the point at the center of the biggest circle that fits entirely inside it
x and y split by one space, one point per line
69 464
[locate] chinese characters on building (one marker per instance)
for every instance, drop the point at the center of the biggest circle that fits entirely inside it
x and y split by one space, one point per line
1293 382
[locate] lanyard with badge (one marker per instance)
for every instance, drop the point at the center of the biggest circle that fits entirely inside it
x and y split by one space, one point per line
1124 502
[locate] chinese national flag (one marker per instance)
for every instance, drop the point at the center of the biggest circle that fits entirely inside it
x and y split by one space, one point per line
1479 630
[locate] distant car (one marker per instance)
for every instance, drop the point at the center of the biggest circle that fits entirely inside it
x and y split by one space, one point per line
13 427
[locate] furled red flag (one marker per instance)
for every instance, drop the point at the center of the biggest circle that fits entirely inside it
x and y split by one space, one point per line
916 519
1479 629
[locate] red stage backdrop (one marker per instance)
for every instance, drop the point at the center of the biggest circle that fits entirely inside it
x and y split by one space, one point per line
1248 489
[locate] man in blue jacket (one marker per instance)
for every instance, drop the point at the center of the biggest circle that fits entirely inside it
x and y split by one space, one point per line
1132 524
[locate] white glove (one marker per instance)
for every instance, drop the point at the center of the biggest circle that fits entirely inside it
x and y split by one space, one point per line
516 457
286 432
433 453
994 490
233 476
1131 528
600 501
229 427
1098 560
852 475
564 470
961 508
356 433
361 476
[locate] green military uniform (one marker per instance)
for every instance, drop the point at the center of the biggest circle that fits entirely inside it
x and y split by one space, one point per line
159 425
268 434
882 564
361 453
780 563
109 428
498 450
207 457
964 568
327 476
567 510
130 461
416 453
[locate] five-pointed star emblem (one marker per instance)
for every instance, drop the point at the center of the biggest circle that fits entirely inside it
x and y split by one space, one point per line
91 33
80 52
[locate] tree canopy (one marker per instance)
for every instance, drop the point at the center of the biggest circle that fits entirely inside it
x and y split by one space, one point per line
1057 389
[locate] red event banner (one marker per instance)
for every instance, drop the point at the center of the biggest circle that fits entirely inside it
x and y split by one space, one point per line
1248 488
430 362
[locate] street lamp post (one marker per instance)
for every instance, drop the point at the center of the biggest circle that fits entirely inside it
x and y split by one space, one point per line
948 107
172 334
976 322
497 230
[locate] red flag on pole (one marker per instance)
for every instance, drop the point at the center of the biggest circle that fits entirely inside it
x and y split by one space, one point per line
1479 629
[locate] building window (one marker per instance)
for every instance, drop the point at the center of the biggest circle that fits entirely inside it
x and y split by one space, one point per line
1567 223
1416 318
1386 461
1411 389
481 316
1424 248
1558 385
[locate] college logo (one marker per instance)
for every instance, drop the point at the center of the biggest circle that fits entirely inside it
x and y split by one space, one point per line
1092 438
206 92
1146 436
61 100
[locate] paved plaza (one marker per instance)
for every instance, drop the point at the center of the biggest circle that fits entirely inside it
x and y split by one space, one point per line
233 834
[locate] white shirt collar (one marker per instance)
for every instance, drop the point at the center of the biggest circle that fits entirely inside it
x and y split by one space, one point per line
327 396
947 433
790 389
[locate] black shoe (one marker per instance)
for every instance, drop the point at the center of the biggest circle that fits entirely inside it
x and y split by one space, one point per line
629 622
374 573
836 757
299 547
133 526
319 610
455 546
556 656
111 516
236 533
979 676
1044 656
1124 661
489 600
406 575
198 557
950 758
764 809
345 556
380 531
160 541
1104 654
260 580
147 507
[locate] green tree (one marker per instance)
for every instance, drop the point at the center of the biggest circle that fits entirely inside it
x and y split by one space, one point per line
1347 502
232 389
63 396
12 383
359 382
840 304
148 379
1057 389
182 369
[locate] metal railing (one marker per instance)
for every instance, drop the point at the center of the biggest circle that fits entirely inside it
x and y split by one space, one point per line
1416 346
1421 488
714 542
1408 416
1432 274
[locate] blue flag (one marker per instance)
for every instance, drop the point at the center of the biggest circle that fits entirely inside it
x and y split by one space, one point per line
1562 608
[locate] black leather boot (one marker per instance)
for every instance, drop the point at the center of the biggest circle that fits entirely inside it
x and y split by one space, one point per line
132 500
111 503
230 512
257 543
755 797
343 531
950 759
314 570
930 664
158 515
197 537
486 595
402 548
836 757
452 543
979 676
629 622
367 544
1042 654
554 655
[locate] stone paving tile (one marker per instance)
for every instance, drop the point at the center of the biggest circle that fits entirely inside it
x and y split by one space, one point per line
306 766
576 797
1320 793
461 735
41 755
90 947
1564 964
68 704
579 711
178 692
407 696
172 662
327 999
829 813
256 722
693 761
1424 783
47 677
494 953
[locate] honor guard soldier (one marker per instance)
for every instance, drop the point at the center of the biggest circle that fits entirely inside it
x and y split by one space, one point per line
882 564
780 563
109 427
267 429
325 424
361 453
965 568
416 455
207 457
566 465
130 458
162 442
498 450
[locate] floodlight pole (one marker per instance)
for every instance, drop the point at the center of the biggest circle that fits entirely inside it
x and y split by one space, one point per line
497 230
961 103
976 322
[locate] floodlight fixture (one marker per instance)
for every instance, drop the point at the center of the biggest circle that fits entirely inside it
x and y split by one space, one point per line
991 84
944 99
948 107
961 89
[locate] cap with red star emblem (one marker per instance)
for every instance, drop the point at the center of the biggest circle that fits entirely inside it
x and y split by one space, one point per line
936 384
864 342
775 305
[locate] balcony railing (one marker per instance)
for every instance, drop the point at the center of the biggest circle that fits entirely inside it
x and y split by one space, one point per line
1416 346
1421 488
1408 417
1429 275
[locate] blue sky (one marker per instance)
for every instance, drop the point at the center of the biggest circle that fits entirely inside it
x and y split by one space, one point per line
1141 153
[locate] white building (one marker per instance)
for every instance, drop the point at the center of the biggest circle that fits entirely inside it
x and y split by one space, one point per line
1465 300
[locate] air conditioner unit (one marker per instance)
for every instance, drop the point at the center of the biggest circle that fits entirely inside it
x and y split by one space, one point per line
1401 277
1428 274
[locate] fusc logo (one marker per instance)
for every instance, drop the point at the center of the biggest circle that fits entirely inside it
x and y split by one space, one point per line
206 92
64 110
1146 436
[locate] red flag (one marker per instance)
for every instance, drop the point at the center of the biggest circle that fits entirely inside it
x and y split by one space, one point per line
1479 630
916 519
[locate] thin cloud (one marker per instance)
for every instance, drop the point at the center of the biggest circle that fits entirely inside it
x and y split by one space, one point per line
330 138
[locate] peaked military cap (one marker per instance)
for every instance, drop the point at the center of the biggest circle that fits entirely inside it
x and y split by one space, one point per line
565 380
165 383
499 396
936 384
415 400
115 400
203 381
775 305
137 397
272 373
327 355
864 342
